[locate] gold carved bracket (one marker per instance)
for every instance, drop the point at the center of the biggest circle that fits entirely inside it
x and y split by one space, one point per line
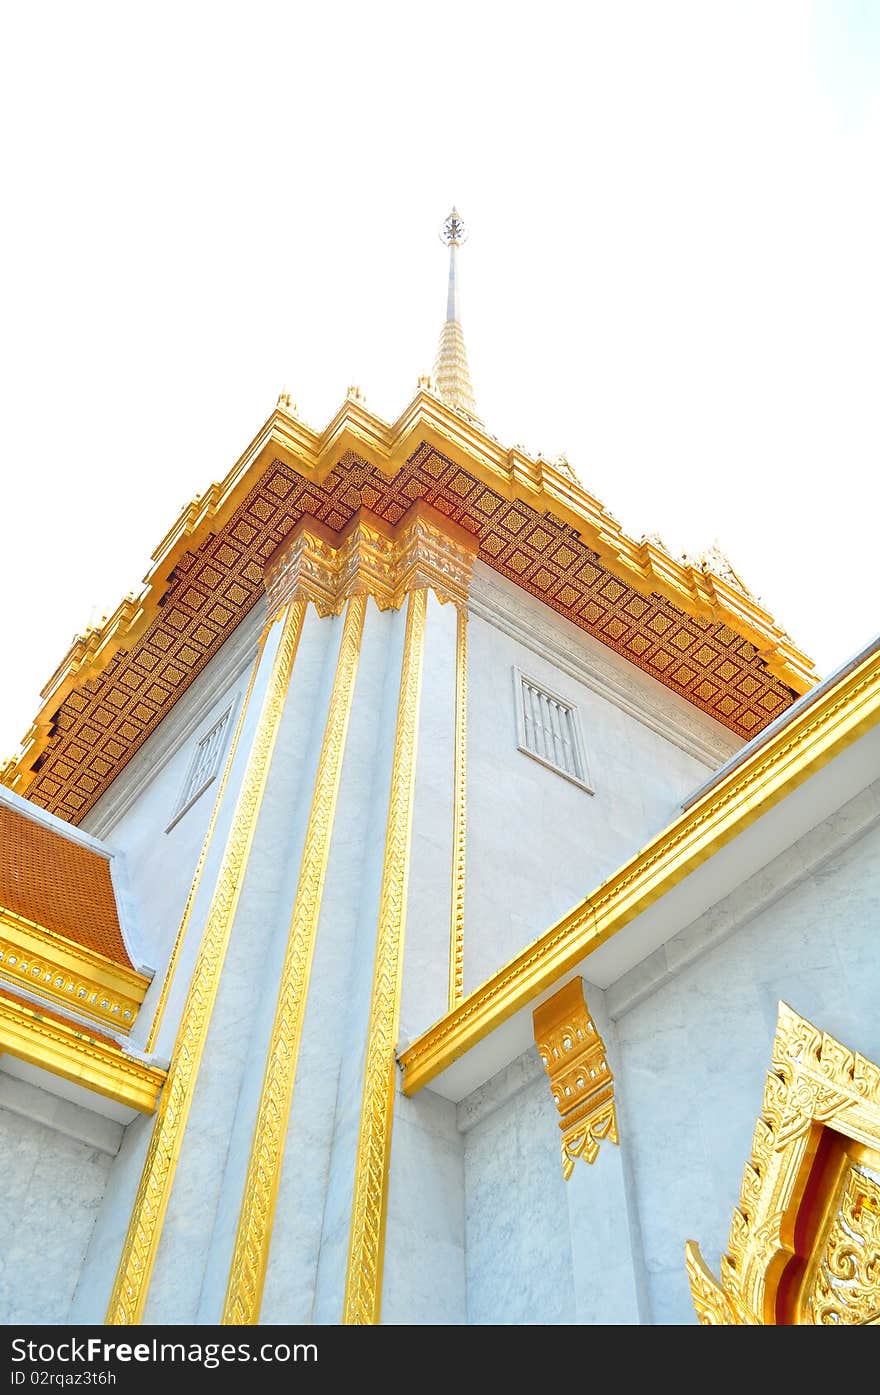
804 1245
574 1058
370 557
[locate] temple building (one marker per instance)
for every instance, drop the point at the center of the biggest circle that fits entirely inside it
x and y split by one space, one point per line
425 903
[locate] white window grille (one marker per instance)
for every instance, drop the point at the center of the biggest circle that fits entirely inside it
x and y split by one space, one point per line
549 730
203 767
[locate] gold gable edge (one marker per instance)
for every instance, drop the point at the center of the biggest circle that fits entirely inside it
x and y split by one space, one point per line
387 447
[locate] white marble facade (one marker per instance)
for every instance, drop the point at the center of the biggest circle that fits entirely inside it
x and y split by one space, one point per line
481 1227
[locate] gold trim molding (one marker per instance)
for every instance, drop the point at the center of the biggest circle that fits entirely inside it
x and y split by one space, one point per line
372 558
811 738
180 937
820 1118
510 472
581 1081
69 973
72 1053
363 1281
138 1256
459 815
250 1255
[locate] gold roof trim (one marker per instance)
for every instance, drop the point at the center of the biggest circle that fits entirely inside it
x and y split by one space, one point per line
509 471
34 957
46 1040
815 735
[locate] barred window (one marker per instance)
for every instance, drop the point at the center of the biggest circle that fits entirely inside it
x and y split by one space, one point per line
549 730
204 765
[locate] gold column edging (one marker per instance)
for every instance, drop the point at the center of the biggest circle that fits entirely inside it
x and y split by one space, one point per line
574 1057
138 1256
203 857
253 1237
363 1282
459 815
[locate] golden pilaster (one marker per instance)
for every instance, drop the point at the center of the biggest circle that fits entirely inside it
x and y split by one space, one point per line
129 1293
459 815
363 1283
200 865
251 1253
574 1058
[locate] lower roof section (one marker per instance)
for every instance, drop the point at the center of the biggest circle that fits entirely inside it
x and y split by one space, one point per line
53 878
772 796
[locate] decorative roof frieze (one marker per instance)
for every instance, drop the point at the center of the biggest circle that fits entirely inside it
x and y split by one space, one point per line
692 630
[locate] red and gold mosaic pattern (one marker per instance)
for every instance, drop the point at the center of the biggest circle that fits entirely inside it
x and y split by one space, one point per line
99 726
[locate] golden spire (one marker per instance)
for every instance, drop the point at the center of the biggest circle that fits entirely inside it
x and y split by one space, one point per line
451 376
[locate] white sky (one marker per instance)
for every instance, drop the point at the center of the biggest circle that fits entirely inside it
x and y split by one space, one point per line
672 272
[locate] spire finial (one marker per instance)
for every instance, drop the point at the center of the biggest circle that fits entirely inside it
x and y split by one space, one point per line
451 367
453 232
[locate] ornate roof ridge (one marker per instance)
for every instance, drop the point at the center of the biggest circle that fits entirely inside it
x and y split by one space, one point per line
543 487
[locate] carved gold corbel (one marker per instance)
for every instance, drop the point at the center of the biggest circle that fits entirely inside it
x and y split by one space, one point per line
574 1058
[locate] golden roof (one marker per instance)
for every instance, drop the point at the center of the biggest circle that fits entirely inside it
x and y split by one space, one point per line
694 631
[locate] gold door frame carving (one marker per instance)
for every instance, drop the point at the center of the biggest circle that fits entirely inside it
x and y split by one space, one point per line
804 1243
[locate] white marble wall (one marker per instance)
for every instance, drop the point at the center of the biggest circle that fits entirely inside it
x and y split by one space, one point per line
694 1053
133 816
100 1261
424 1278
689 1036
537 843
52 1185
518 1242
192 1262
603 1217
540 1249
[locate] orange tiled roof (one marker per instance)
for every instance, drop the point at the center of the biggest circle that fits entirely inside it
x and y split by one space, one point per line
55 1016
59 884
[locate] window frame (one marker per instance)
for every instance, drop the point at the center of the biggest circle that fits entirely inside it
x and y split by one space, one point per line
184 804
584 780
